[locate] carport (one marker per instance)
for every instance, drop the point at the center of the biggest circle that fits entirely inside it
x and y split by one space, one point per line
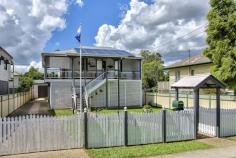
196 83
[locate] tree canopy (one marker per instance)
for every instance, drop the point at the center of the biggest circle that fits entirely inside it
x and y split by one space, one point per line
152 69
26 80
221 39
34 73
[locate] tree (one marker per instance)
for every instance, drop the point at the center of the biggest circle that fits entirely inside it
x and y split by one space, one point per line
152 69
221 39
25 83
34 73
26 80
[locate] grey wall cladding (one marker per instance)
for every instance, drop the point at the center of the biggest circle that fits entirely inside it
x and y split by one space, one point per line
3 87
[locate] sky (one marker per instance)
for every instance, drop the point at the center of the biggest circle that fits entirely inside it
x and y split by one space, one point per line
171 27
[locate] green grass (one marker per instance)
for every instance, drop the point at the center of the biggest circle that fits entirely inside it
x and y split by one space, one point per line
61 112
146 150
108 111
232 138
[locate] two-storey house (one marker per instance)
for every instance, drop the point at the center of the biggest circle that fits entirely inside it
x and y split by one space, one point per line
110 77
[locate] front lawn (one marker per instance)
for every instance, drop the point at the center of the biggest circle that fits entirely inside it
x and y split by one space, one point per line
66 112
146 150
61 112
232 138
138 109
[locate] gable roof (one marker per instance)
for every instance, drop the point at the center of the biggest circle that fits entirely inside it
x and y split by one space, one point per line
91 51
194 60
3 50
199 81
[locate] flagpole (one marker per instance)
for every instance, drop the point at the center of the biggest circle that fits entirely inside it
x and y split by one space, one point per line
80 74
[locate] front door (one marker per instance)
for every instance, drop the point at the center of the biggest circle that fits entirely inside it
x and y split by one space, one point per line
104 65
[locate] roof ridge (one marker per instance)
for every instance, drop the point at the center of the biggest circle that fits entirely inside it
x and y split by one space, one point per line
193 60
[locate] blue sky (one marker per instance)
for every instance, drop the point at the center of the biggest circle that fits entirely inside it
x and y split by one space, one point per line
92 15
29 28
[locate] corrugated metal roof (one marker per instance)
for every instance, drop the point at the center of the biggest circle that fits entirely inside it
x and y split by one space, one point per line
93 51
198 81
194 60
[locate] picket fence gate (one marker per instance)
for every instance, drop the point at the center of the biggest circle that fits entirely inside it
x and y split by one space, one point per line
36 133
207 121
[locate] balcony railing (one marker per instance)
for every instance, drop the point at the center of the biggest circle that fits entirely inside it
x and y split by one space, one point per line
56 73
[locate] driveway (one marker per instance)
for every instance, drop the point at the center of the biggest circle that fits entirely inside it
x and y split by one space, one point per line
74 153
39 106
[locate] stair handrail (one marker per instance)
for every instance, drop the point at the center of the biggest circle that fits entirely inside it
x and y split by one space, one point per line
95 81
92 84
74 96
86 98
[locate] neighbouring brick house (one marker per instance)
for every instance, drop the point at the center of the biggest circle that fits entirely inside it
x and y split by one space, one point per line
6 71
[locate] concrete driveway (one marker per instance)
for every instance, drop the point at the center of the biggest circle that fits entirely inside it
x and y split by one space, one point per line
39 106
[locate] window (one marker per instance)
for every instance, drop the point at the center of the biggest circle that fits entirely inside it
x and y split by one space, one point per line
192 72
5 65
177 76
116 65
99 64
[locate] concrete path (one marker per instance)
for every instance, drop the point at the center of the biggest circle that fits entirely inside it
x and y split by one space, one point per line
75 153
223 148
39 106
227 152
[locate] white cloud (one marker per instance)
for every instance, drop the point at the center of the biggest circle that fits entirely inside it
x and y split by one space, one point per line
24 68
148 26
80 3
26 26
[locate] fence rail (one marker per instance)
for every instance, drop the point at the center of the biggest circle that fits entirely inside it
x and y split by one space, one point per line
206 101
9 103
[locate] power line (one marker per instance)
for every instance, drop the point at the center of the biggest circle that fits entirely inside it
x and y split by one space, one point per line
188 38
180 37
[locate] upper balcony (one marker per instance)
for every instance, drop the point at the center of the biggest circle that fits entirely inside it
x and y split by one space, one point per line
92 67
57 73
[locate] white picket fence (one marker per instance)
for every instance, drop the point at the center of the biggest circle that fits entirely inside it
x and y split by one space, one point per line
106 130
40 133
228 122
207 121
179 125
43 133
144 128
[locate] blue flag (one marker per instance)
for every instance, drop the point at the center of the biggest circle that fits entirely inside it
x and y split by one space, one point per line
78 35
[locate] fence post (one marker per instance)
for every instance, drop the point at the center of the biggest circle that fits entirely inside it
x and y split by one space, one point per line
145 99
126 126
8 101
169 100
1 107
218 112
164 126
85 128
156 98
209 100
187 99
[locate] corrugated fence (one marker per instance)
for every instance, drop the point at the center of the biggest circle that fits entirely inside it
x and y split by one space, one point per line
9 103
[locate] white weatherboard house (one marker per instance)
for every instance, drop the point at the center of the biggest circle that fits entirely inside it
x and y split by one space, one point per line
110 77
6 73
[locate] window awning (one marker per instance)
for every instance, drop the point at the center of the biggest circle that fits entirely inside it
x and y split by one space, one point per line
199 81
